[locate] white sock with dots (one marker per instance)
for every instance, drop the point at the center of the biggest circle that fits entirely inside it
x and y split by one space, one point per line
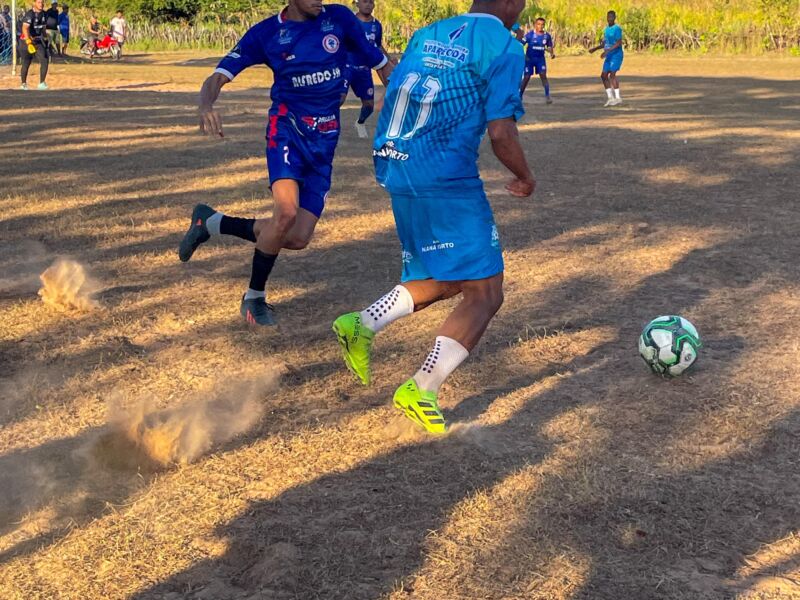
390 307
446 355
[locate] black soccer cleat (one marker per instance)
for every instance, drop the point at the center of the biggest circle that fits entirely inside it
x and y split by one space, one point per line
256 311
197 234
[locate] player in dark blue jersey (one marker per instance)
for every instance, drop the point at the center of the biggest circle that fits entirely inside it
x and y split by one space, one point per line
538 42
305 46
359 76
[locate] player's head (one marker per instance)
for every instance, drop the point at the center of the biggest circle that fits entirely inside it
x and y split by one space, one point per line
54 4
38 4
308 8
507 11
611 17
119 14
64 8
94 19
365 7
538 25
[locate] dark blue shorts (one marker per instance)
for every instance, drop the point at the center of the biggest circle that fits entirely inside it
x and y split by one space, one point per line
360 79
302 148
536 65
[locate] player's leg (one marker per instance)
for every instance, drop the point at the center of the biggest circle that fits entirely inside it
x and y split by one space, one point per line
607 85
364 88
614 82
525 78
545 85
44 62
26 58
468 256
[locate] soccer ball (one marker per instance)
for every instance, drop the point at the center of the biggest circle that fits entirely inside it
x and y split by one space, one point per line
669 345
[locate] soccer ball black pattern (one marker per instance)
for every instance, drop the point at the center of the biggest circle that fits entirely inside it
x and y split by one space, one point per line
669 345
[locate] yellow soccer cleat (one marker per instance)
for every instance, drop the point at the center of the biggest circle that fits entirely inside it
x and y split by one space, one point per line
420 406
356 342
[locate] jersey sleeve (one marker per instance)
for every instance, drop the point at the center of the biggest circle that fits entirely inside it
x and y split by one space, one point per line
379 35
503 100
248 52
356 42
28 17
549 41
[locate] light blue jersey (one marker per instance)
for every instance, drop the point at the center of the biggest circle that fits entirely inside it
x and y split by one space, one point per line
455 76
611 36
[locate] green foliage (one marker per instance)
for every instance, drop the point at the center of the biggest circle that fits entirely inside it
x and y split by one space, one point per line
658 25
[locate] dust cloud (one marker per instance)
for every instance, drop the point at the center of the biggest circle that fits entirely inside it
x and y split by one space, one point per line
66 285
142 437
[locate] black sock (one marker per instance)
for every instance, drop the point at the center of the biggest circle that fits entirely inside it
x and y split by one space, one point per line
262 266
241 228
366 111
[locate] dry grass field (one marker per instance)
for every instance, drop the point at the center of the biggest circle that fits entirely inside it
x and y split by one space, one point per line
570 471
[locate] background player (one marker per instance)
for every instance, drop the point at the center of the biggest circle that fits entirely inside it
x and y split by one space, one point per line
358 75
538 41
613 55
456 76
33 43
305 47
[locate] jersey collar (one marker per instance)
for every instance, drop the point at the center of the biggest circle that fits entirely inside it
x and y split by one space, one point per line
282 20
483 16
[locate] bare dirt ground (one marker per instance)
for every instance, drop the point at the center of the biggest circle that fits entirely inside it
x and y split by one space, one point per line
571 471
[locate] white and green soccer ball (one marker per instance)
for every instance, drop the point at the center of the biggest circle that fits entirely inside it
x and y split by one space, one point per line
669 345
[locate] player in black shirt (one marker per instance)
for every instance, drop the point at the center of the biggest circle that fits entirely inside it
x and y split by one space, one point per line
34 43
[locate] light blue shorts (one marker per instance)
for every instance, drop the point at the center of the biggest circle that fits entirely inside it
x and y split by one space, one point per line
448 235
613 63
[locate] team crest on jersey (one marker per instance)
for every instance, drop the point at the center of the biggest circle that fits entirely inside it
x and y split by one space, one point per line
330 43
284 37
326 25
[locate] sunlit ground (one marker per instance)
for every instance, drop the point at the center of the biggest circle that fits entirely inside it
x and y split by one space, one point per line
570 471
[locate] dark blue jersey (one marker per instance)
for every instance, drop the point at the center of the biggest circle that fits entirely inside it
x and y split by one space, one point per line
374 32
307 58
537 44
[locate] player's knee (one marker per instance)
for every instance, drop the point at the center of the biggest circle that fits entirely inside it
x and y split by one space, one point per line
285 220
295 242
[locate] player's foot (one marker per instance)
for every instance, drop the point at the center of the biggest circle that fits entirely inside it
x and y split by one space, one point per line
548 100
256 311
420 406
356 342
42 86
24 86
617 101
361 129
609 102
197 234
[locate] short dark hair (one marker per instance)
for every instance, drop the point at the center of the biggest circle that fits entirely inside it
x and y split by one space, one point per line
540 19
611 12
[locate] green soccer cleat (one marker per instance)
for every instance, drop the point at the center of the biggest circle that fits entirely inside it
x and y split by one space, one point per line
356 342
420 406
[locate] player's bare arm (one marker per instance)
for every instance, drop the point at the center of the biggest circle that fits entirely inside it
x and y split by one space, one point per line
506 147
609 50
210 119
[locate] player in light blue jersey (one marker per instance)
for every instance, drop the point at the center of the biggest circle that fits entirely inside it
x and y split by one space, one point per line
612 55
457 77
